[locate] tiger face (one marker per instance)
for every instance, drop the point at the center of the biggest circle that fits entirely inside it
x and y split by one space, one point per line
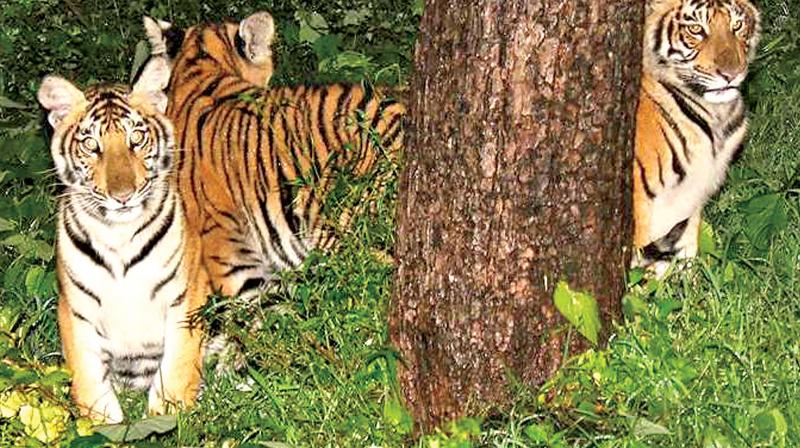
704 45
112 146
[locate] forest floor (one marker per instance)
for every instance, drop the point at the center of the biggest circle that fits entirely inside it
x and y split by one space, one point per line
710 356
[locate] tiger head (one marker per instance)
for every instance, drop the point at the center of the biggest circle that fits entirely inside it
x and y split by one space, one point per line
243 49
112 146
702 45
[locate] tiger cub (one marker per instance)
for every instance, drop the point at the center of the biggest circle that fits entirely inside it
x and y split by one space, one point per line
691 118
122 255
257 162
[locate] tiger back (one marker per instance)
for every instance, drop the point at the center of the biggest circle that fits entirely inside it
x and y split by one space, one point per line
691 118
257 162
123 261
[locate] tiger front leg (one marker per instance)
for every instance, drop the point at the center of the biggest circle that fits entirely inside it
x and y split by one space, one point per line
179 378
687 245
91 388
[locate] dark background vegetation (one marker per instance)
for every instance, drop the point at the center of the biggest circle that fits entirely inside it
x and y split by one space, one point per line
709 357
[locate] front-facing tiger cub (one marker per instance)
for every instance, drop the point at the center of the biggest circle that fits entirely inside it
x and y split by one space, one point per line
691 118
123 258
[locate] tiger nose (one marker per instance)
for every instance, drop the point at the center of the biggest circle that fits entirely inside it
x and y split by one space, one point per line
728 74
122 196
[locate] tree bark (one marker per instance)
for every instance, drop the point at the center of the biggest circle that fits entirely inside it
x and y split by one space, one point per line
517 175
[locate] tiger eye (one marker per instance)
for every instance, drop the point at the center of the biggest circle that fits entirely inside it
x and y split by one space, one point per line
90 144
695 29
136 137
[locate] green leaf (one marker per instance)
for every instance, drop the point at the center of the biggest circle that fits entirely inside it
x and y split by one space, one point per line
538 433
766 216
418 7
140 56
312 26
667 306
580 309
92 441
707 244
6 225
327 46
396 415
7 103
643 427
633 305
138 430
771 422
355 17
713 439
55 378
307 34
33 280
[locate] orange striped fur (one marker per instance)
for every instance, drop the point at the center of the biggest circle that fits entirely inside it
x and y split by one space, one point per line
256 163
123 258
691 119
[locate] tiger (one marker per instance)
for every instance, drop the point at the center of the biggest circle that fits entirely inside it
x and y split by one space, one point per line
124 260
691 119
257 162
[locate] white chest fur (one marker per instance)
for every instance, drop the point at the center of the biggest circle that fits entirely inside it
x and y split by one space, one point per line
122 278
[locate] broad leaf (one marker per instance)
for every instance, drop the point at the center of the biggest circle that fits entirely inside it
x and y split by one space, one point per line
643 427
138 430
766 216
580 309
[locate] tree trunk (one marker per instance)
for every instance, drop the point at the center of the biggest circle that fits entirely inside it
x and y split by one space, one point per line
517 175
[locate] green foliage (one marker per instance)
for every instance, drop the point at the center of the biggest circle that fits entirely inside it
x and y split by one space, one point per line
580 309
706 357
138 430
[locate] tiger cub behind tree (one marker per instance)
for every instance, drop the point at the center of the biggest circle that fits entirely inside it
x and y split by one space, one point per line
123 259
257 163
691 118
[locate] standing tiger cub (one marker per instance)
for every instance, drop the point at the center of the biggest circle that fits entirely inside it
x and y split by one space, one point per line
258 163
691 118
123 257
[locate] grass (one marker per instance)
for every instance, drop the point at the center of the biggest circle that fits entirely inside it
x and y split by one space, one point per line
708 357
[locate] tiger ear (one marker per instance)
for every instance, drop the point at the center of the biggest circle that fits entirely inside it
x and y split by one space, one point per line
59 97
152 82
155 31
257 32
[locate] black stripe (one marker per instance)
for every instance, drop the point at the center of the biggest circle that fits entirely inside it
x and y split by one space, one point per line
154 240
672 125
690 113
138 357
734 124
658 35
163 282
155 216
132 374
79 316
677 168
737 153
665 247
642 174
239 268
272 232
178 300
674 91
86 247
249 284
83 288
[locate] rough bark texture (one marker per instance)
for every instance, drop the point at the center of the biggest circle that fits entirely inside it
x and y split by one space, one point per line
517 176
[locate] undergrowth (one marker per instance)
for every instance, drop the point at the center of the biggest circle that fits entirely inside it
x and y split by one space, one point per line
708 357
